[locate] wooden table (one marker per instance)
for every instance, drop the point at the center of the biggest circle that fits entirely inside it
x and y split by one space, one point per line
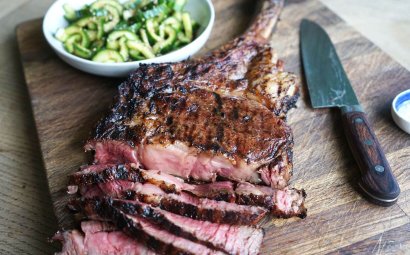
25 211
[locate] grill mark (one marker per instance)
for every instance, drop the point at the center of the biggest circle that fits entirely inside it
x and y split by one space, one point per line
200 213
119 172
134 229
219 133
218 101
169 120
248 199
235 113
160 219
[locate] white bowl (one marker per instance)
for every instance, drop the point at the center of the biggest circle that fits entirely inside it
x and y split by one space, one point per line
201 10
400 119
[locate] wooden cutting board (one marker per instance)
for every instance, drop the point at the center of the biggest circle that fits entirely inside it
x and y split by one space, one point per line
67 103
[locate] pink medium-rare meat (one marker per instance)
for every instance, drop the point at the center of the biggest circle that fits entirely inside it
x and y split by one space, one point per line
146 232
94 174
97 226
98 238
180 142
221 115
283 203
227 238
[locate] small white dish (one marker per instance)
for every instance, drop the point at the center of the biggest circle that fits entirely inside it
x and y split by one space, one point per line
400 103
201 10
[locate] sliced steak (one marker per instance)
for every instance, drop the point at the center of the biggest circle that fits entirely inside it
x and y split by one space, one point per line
144 230
183 204
284 203
107 172
227 238
281 203
98 238
93 174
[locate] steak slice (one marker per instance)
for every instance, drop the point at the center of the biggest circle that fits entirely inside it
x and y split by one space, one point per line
284 203
281 203
146 232
99 238
182 204
227 238
94 174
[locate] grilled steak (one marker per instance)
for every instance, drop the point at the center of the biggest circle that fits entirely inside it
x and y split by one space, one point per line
190 153
170 137
283 203
226 238
183 204
206 118
94 174
145 231
99 238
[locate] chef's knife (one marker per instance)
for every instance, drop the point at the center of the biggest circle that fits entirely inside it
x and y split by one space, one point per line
329 86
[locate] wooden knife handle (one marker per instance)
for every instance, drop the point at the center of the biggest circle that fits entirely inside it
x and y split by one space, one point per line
377 180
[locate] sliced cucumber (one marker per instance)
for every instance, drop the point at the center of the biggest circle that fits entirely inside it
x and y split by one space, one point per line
138 46
113 45
165 45
182 38
92 35
85 40
161 31
173 22
178 16
89 22
122 33
108 56
117 30
86 21
151 30
112 39
144 37
68 44
136 55
100 28
100 4
62 34
186 21
124 49
69 12
97 45
82 51
113 19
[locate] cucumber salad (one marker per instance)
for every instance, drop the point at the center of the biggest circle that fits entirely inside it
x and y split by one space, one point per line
110 31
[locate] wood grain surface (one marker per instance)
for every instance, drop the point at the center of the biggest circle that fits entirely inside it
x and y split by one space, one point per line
67 103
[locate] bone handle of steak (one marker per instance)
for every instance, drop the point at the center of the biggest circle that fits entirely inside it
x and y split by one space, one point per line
377 180
265 20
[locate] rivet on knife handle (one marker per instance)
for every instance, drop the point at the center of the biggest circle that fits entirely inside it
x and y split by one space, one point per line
377 180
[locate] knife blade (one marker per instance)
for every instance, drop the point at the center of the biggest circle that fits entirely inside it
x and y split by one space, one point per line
329 86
